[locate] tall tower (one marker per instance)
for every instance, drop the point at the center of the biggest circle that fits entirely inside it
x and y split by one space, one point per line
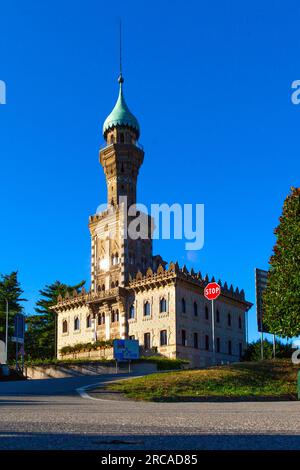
122 156
115 256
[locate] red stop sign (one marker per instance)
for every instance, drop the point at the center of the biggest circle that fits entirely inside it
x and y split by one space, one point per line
212 291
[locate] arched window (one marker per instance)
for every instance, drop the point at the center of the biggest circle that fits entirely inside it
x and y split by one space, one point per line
99 319
117 315
218 316
113 318
103 287
229 319
122 138
206 312
117 283
147 309
99 288
240 323
183 307
131 311
65 326
88 321
162 305
112 284
112 139
103 319
76 324
195 309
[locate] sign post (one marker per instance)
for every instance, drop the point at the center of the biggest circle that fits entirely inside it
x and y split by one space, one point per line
261 278
18 338
6 332
212 292
126 350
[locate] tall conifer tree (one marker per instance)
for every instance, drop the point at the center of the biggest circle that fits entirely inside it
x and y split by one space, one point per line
41 328
282 296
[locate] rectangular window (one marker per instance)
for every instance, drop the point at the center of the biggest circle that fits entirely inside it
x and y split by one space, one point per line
131 312
147 343
207 342
196 340
229 347
206 312
163 338
195 309
218 345
147 309
183 338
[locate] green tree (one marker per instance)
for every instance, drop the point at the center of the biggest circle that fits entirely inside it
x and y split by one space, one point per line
11 292
41 328
282 296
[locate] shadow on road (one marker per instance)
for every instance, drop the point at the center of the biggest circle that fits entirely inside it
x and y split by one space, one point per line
53 387
64 441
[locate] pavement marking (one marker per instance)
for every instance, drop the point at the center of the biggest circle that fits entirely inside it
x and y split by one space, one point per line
82 390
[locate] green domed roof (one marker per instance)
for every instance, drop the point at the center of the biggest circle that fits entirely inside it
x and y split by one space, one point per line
121 115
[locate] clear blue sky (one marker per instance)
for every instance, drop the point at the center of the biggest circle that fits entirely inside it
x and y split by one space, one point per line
210 83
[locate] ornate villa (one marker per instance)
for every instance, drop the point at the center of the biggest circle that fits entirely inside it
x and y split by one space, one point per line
135 294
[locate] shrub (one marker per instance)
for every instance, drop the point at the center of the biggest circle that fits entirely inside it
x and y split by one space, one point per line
81 347
253 352
165 363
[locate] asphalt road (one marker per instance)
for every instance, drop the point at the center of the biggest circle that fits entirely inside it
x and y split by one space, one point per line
50 414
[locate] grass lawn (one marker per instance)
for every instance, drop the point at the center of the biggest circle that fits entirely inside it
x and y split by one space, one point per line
246 380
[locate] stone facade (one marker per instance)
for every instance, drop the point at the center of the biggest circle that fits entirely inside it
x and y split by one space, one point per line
137 295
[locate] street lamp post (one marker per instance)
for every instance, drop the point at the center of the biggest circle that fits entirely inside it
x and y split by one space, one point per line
6 333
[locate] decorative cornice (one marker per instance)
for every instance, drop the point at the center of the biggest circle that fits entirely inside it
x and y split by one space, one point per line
149 280
165 276
88 298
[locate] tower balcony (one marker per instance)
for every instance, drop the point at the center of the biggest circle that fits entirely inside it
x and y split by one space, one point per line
106 295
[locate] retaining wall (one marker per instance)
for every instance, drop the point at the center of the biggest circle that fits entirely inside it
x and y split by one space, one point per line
89 368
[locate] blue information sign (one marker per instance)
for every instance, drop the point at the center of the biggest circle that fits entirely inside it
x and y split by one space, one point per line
19 328
126 349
